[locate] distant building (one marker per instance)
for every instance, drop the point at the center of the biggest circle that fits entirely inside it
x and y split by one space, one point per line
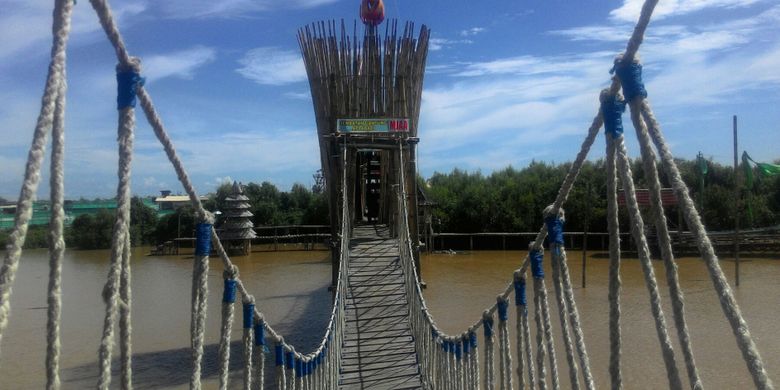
73 208
167 202
237 230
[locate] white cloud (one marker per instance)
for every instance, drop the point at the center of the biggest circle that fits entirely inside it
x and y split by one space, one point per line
306 95
181 64
472 31
501 106
186 9
435 44
25 26
631 9
530 65
272 66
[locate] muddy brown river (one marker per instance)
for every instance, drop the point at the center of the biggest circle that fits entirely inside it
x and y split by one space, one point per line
291 288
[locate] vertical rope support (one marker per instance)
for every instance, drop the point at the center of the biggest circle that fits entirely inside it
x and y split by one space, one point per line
537 256
467 372
228 300
200 273
728 303
56 241
249 320
529 357
487 326
567 343
125 323
574 319
289 363
616 377
54 86
127 80
523 335
259 355
505 351
638 233
664 241
281 384
474 360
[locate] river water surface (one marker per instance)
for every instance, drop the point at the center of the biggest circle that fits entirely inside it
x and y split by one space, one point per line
291 289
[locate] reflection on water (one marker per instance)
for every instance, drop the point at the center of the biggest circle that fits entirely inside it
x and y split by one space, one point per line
291 288
461 286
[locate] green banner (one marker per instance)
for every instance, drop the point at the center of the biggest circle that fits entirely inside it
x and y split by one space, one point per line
764 169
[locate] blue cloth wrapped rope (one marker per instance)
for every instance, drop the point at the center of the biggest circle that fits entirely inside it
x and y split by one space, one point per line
537 263
473 340
279 351
249 315
259 334
298 367
631 79
290 360
127 83
554 229
612 110
520 296
487 324
503 305
466 342
203 239
229 293
458 350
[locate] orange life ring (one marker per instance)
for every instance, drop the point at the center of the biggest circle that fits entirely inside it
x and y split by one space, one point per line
372 12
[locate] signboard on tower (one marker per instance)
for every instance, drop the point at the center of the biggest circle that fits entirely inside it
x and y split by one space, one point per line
392 125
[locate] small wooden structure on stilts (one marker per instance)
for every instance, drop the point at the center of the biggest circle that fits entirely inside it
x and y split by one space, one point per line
366 93
237 230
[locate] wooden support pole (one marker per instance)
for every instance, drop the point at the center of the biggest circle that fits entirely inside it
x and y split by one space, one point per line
738 202
584 253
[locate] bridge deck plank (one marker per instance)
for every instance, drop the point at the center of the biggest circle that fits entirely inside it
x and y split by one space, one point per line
378 351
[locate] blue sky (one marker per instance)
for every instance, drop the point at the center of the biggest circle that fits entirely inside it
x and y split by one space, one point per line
507 82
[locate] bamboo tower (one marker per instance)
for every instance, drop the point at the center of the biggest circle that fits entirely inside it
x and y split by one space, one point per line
237 230
367 76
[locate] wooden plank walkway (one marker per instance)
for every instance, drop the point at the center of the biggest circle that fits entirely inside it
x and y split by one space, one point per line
379 351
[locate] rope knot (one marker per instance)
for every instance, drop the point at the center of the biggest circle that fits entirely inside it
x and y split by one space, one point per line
473 339
466 342
229 293
554 224
612 109
203 239
503 306
630 75
231 272
259 333
289 361
537 263
520 296
249 312
279 351
128 79
487 324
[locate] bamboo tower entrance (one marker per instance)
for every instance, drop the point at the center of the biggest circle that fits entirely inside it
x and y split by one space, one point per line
366 92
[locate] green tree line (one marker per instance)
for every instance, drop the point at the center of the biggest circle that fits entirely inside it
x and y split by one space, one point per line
507 200
512 200
270 206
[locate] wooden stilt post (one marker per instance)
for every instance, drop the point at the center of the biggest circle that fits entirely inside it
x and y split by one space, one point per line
738 202
584 253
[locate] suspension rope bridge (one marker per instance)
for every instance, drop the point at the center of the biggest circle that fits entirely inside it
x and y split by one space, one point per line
381 334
